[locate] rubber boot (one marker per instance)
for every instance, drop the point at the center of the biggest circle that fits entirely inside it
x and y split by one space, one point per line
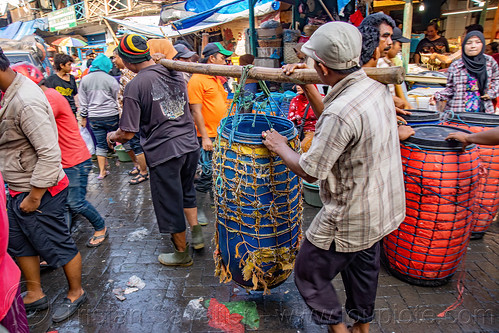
202 218
176 258
197 237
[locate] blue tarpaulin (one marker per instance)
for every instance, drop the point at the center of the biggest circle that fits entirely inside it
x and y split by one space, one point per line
206 8
18 30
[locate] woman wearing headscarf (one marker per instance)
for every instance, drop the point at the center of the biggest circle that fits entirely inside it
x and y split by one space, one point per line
99 104
473 80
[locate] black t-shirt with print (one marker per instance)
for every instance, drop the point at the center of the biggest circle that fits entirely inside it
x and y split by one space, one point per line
67 89
439 45
155 103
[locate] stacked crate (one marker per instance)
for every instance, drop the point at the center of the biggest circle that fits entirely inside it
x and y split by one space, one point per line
269 43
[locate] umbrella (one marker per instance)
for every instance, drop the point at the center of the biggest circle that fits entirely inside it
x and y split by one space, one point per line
69 42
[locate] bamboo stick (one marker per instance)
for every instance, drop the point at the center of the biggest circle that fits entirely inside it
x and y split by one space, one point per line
390 75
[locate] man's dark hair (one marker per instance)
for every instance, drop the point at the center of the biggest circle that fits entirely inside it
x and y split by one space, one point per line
375 20
494 46
186 43
342 71
346 71
433 24
369 28
61 59
370 41
4 61
474 27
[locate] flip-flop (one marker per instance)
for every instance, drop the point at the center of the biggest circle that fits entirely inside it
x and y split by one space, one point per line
139 179
99 177
94 238
133 172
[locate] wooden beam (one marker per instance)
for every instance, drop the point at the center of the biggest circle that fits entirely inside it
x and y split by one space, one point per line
406 32
390 75
112 32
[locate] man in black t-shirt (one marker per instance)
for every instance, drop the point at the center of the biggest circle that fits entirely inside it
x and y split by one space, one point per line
62 80
155 104
432 43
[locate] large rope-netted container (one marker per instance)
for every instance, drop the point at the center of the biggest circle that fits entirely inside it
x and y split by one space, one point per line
422 117
258 203
440 185
487 197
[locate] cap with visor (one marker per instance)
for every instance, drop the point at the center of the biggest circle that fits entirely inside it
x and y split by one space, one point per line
212 48
336 45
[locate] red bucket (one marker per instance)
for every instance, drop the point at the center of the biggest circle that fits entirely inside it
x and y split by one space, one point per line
487 197
440 182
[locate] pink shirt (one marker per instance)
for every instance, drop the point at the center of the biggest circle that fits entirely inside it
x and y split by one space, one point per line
9 272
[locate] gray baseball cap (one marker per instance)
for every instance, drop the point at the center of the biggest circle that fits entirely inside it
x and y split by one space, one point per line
336 45
183 51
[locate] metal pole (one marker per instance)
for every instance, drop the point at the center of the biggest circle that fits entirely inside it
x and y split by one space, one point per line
252 31
407 30
483 14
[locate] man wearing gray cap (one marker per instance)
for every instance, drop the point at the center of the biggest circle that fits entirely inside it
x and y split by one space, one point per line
356 157
184 55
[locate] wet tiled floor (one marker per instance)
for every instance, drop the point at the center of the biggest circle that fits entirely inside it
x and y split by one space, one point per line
160 306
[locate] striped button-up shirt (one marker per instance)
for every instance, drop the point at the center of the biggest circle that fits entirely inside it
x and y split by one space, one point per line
455 93
356 156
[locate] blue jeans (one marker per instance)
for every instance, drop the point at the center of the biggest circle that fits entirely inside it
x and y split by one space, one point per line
101 126
77 204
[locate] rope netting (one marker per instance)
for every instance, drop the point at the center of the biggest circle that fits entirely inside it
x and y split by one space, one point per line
487 196
429 244
257 198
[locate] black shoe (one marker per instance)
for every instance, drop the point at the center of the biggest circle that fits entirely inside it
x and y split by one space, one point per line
66 309
41 304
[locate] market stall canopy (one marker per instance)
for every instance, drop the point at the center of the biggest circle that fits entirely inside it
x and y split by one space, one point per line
69 42
222 11
154 31
192 22
19 29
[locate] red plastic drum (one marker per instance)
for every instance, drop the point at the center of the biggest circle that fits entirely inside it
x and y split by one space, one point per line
487 198
440 182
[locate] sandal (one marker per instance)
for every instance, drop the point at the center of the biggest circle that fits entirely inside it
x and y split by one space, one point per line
94 238
139 179
99 177
134 171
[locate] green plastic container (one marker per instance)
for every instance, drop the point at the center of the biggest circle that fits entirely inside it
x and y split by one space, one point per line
311 194
122 154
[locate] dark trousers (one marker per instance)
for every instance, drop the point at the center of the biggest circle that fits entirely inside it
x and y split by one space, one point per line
314 270
205 181
43 232
172 190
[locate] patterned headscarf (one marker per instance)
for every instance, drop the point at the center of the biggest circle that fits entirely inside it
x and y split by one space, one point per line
134 49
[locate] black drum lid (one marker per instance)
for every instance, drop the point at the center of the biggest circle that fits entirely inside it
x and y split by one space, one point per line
433 137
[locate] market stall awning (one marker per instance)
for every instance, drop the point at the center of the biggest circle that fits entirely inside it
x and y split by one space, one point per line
19 29
223 11
154 31
263 7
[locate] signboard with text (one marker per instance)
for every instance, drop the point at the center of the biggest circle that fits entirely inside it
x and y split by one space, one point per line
62 19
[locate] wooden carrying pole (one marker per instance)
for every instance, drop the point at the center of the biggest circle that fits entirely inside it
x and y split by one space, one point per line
390 75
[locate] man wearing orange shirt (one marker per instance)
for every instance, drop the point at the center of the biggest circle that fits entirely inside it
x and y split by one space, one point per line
207 98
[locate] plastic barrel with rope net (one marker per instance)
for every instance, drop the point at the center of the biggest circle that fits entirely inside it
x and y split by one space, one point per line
487 198
441 181
422 117
257 198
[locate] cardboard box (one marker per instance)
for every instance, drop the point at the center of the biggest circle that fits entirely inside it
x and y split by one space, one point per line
267 62
269 33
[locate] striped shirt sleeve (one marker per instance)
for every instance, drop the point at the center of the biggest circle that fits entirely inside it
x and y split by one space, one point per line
331 138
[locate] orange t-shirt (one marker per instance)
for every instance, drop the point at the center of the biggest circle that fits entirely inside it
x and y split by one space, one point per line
208 91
